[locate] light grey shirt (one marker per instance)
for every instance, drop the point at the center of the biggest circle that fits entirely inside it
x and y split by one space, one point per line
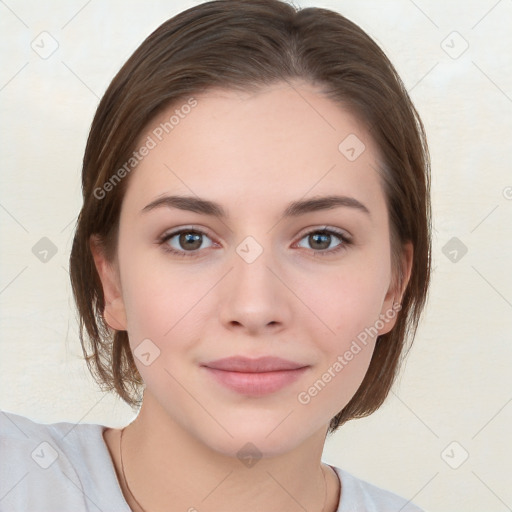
66 467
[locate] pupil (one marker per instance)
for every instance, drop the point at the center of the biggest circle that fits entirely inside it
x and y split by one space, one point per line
188 239
324 243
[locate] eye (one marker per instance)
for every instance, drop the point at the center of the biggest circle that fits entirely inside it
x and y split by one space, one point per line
323 241
185 242
188 242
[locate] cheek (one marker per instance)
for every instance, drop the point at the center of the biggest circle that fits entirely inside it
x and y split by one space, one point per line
163 304
348 303
345 301
337 378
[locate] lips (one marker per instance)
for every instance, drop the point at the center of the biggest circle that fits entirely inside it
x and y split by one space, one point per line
255 377
259 365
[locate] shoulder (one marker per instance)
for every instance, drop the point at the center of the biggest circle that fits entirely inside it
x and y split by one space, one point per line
45 444
360 496
58 466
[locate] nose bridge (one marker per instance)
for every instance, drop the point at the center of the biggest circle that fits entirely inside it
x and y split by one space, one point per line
251 262
253 297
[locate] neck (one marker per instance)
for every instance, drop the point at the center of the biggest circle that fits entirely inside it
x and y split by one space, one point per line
165 468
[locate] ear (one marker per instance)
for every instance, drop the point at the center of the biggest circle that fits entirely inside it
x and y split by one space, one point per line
115 313
392 302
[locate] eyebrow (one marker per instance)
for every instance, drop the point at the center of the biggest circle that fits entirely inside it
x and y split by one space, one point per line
294 209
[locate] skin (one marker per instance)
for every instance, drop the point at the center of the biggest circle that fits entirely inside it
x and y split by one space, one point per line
254 154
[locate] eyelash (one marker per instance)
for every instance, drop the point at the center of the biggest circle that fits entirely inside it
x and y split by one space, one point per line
346 241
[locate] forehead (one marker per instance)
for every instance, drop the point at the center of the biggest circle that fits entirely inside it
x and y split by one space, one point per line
275 144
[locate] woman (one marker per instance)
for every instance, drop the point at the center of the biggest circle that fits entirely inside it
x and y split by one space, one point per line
252 252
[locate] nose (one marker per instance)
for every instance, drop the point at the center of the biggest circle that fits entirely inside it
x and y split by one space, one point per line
254 298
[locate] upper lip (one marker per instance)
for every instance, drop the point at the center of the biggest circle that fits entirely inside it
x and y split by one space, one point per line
258 365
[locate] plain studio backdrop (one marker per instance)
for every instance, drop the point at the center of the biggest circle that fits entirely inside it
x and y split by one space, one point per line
442 438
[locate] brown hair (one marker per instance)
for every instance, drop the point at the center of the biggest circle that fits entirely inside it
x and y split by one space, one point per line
243 45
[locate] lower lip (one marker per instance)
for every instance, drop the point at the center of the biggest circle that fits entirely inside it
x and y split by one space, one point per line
256 384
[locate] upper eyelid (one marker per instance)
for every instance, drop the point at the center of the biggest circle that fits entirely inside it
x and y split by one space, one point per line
324 227
177 231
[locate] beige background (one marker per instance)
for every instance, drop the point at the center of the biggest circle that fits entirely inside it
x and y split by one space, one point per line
456 386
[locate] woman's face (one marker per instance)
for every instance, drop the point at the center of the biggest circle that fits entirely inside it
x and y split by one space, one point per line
280 275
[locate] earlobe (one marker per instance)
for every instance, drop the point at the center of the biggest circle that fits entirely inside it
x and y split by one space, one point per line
393 301
407 258
114 313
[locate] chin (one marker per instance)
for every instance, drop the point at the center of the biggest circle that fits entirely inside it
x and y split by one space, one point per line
263 437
